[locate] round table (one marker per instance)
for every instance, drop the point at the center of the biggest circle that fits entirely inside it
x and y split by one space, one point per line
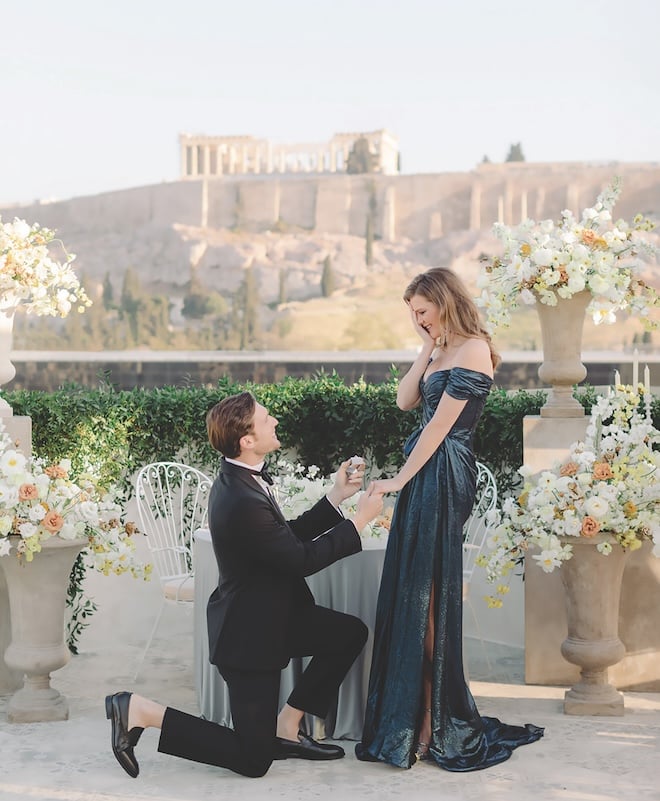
349 585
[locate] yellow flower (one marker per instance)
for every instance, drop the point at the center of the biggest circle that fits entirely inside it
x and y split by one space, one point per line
629 509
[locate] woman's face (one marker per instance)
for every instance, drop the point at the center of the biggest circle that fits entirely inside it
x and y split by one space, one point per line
428 316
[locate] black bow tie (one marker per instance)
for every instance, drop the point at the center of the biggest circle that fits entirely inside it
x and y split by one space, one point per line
263 474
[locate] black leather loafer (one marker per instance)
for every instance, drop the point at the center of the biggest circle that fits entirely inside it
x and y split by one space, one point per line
306 748
122 740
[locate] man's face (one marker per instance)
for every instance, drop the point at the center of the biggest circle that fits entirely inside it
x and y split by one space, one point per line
262 439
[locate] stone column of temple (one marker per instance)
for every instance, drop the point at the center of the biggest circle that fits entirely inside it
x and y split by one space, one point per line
242 162
219 169
206 159
540 202
508 203
475 208
257 158
523 205
282 160
333 159
232 160
194 165
269 158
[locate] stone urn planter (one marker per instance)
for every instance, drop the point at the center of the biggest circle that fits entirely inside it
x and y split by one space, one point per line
37 598
562 368
592 586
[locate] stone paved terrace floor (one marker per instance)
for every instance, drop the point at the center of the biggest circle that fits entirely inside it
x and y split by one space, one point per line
579 759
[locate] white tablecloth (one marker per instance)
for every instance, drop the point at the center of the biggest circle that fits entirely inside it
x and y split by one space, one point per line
350 585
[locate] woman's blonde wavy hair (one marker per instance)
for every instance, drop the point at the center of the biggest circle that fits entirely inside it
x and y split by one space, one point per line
446 290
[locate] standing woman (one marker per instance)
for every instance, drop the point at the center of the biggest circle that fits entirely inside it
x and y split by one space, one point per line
418 704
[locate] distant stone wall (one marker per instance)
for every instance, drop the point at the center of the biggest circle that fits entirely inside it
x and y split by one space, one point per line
177 371
418 207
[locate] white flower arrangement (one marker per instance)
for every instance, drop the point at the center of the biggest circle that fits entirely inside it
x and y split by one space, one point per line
298 488
610 483
39 501
31 277
544 261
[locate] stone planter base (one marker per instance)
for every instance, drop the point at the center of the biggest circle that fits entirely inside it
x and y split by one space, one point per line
590 699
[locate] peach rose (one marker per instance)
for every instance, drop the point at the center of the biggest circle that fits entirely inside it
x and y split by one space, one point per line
28 492
590 527
588 236
53 521
55 471
602 471
569 469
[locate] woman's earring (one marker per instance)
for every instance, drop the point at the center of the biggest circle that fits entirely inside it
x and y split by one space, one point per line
441 341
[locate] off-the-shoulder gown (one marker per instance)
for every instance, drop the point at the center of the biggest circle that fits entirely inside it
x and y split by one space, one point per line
424 549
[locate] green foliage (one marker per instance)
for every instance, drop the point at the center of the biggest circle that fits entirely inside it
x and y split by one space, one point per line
360 159
282 289
79 607
515 153
328 283
321 420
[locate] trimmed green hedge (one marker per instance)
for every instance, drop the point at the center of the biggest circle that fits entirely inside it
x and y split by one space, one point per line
322 420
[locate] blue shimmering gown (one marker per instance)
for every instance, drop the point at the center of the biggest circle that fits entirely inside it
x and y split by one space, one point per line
425 548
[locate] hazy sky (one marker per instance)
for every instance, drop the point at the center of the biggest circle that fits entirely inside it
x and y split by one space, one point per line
94 95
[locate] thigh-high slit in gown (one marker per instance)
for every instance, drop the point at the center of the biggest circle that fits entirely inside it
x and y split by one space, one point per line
424 550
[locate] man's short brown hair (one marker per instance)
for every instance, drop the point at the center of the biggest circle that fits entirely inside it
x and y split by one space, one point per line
228 421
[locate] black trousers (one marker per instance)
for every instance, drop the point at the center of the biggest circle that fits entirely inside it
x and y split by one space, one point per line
332 639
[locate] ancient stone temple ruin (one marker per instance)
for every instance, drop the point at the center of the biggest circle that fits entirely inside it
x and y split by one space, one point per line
206 156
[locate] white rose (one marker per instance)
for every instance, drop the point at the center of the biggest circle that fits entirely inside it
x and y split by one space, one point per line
27 530
596 507
542 257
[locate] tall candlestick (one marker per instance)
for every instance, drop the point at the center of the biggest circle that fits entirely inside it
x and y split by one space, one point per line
635 376
617 378
647 393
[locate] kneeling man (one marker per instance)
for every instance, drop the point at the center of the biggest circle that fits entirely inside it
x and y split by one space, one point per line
262 612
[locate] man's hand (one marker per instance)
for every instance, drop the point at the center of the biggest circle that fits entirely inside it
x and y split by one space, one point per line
348 480
369 506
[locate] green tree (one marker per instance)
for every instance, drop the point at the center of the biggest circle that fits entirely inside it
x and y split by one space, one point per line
370 227
369 241
131 303
245 312
360 159
516 153
282 296
328 282
108 293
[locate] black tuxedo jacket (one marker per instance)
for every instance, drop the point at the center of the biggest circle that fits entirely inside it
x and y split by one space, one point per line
262 560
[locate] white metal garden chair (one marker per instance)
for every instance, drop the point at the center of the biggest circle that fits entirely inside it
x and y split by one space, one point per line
475 534
172 503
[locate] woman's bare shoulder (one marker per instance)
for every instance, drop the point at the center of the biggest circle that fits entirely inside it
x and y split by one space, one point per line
474 354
